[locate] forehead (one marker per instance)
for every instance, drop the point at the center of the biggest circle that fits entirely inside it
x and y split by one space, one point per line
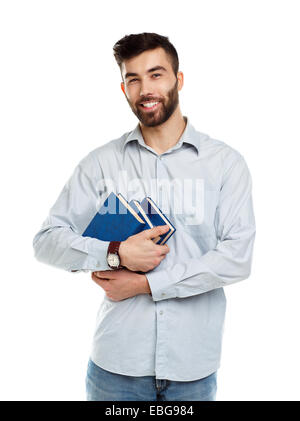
146 60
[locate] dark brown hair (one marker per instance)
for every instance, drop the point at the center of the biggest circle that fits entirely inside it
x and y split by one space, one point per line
132 45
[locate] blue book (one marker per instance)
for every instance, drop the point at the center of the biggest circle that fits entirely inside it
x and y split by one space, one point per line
155 217
135 204
117 220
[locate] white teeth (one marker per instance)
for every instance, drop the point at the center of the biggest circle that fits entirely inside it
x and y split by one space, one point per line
150 104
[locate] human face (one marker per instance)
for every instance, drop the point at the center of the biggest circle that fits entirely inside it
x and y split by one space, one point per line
149 78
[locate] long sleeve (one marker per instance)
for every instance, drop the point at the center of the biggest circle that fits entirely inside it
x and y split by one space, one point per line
230 261
59 241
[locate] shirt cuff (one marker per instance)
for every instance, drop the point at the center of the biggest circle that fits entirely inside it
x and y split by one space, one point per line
161 285
95 251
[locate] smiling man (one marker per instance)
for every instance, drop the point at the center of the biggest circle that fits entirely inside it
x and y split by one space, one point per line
152 109
159 326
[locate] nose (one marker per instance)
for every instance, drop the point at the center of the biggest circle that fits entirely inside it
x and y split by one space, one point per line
145 88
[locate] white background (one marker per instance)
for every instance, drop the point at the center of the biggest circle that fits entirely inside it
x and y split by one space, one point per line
61 98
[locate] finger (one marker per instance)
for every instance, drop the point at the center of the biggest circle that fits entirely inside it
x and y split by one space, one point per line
100 281
155 231
94 276
106 274
164 249
162 257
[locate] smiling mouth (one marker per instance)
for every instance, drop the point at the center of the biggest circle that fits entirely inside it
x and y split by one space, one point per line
150 106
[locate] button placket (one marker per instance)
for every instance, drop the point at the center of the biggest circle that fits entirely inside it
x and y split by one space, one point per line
161 344
161 176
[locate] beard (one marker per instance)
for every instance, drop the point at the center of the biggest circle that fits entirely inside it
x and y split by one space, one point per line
160 115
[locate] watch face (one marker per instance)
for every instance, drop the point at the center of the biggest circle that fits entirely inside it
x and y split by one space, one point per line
113 260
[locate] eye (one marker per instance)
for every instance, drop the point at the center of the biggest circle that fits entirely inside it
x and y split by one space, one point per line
156 74
132 80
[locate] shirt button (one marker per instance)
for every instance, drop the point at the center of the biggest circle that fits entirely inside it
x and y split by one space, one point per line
161 312
163 294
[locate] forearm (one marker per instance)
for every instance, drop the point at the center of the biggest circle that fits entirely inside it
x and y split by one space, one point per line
59 241
217 268
64 249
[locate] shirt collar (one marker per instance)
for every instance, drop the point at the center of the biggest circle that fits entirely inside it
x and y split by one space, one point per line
190 135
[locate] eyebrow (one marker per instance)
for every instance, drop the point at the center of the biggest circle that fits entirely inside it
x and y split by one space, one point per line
153 69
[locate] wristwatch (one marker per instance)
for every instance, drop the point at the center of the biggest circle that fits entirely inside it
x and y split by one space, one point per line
113 257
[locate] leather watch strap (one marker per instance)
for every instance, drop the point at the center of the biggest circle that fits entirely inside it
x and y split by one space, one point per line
113 248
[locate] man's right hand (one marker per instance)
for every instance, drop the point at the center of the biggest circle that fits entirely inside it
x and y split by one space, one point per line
140 253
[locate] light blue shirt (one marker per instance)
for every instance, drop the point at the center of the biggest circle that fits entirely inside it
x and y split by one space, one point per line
204 187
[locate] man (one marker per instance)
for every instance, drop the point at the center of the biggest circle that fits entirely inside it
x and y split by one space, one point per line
159 326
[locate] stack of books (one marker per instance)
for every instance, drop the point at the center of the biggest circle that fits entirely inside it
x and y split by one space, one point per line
118 219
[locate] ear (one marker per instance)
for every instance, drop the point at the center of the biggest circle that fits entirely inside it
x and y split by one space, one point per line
122 87
180 80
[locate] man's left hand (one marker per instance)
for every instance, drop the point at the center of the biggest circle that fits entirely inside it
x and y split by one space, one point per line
121 283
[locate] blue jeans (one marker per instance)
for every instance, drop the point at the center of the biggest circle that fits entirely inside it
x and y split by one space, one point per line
102 385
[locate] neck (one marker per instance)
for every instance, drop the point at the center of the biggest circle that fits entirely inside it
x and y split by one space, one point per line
163 137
